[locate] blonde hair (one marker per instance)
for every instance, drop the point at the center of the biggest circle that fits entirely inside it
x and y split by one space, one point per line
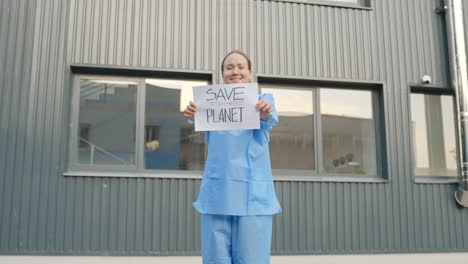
236 51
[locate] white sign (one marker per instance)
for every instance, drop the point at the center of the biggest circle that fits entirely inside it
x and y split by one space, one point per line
226 107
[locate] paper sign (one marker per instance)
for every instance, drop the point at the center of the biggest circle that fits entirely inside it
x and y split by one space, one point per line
226 107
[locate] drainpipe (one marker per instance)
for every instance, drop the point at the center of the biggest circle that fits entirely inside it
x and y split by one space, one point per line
458 74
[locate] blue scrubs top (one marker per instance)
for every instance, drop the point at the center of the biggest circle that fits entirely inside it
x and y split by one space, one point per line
237 179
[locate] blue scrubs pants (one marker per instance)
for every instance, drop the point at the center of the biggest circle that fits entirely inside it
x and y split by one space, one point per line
228 239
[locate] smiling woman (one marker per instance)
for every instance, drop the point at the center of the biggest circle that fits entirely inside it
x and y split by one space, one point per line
237 196
236 67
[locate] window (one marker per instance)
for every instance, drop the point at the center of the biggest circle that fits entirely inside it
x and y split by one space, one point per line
359 4
292 143
434 151
107 117
133 124
364 3
178 147
326 131
348 131
346 1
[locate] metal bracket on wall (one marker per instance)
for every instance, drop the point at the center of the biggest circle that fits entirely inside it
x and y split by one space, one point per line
441 9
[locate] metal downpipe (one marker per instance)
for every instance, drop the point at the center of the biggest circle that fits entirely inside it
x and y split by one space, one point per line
458 74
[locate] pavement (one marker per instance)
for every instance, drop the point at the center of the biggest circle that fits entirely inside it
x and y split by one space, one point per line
432 258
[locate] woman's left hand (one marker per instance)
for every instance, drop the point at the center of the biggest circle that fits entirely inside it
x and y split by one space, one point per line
265 109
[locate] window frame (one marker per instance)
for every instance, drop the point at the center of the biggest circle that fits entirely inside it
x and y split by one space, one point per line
379 125
80 72
431 89
73 164
362 5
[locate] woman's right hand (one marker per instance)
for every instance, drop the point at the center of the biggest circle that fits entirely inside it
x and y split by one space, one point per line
190 110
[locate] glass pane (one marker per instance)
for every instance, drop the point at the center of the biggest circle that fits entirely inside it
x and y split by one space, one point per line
107 122
348 131
432 120
292 141
346 1
170 142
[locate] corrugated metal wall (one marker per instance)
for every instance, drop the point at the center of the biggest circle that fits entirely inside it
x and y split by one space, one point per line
465 19
44 212
16 132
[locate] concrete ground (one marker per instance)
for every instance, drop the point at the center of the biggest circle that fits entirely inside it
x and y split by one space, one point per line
436 258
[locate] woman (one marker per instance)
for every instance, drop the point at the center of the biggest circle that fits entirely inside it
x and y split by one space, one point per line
237 197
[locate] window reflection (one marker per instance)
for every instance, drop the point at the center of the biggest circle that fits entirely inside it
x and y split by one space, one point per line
433 133
292 141
348 131
107 117
170 142
346 1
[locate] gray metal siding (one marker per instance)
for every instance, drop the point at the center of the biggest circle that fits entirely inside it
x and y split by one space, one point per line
465 20
44 212
16 45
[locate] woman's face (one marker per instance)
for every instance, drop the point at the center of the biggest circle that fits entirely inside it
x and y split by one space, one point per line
236 69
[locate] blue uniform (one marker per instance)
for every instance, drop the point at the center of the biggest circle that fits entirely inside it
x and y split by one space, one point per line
237 182
228 239
237 179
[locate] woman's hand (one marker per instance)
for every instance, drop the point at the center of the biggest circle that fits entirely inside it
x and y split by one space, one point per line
265 109
190 110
